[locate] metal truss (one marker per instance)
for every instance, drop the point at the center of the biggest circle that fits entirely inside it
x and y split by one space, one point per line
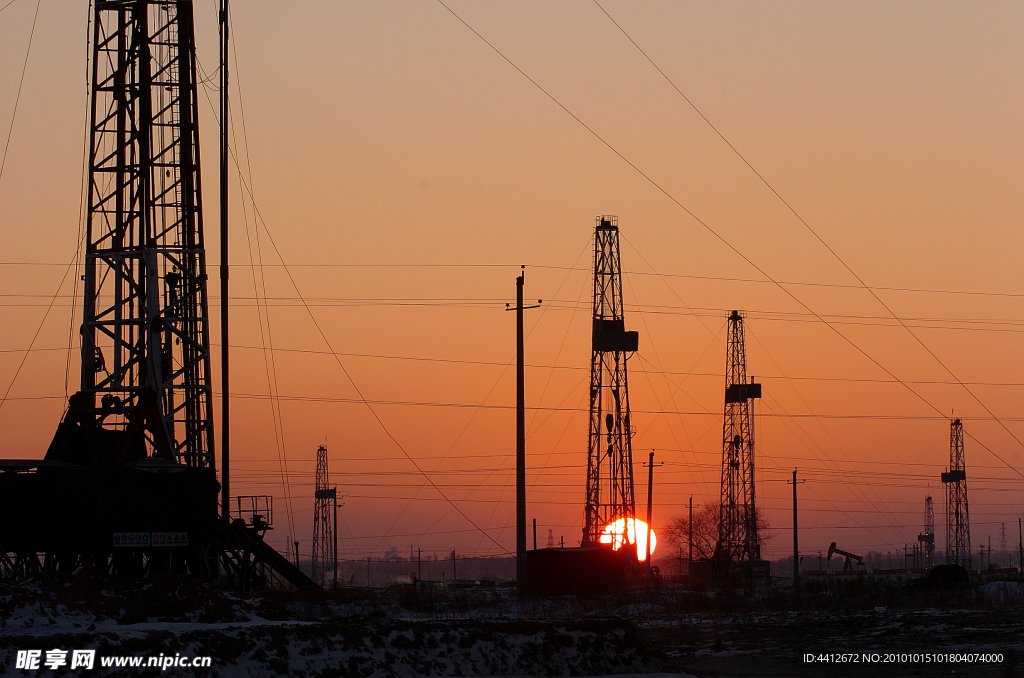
324 559
610 494
145 329
738 537
958 526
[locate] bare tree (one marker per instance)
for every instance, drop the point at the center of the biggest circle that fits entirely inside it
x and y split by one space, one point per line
705 534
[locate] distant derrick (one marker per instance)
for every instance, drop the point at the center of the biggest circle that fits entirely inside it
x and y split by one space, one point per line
610 494
958 527
324 559
927 539
738 537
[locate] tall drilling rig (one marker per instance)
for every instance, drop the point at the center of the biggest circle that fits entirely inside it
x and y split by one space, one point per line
128 480
128 484
610 493
324 561
958 527
145 386
927 539
737 527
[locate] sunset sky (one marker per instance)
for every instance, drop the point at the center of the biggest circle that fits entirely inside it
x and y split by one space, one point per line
404 170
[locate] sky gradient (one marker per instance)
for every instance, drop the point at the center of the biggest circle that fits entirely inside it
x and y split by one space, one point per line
403 171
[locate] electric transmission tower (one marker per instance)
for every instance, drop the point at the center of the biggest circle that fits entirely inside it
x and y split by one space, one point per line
610 452
145 340
927 539
958 527
737 527
325 554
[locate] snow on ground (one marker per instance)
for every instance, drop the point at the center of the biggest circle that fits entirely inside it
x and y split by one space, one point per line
373 633
406 632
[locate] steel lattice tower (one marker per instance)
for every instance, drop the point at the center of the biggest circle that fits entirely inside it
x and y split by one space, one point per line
323 562
610 453
738 538
928 538
145 387
958 527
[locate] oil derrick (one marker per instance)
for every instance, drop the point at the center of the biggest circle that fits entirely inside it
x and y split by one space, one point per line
145 388
927 539
128 482
324 560
737 527
958 527
610 494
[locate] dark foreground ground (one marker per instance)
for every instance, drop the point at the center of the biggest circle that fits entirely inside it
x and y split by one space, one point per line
403 632
897 643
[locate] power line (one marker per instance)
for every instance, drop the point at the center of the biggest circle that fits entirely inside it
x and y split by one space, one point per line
831 251
40 326
21 82
422 403
747 259
259 217
265 337
492 363
362 399
714 278
83 189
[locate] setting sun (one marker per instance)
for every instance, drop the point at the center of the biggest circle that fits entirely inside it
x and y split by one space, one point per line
612 534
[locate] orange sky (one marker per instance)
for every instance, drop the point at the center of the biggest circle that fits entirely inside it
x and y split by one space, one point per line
404 171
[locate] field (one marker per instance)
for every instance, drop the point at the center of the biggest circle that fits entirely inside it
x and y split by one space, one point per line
864 628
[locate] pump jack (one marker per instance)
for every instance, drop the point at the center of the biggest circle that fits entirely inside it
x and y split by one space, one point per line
850 557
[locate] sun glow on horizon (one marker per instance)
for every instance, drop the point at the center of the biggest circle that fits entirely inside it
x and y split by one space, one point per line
635 533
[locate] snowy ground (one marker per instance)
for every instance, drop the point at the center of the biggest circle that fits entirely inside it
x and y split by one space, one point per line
403 632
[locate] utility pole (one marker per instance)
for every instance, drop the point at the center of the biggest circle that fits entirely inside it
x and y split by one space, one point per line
1020 548
650 505
334 533
1003 550
796 541
419 563
689 563
520 436
534 534
335 537
225 382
